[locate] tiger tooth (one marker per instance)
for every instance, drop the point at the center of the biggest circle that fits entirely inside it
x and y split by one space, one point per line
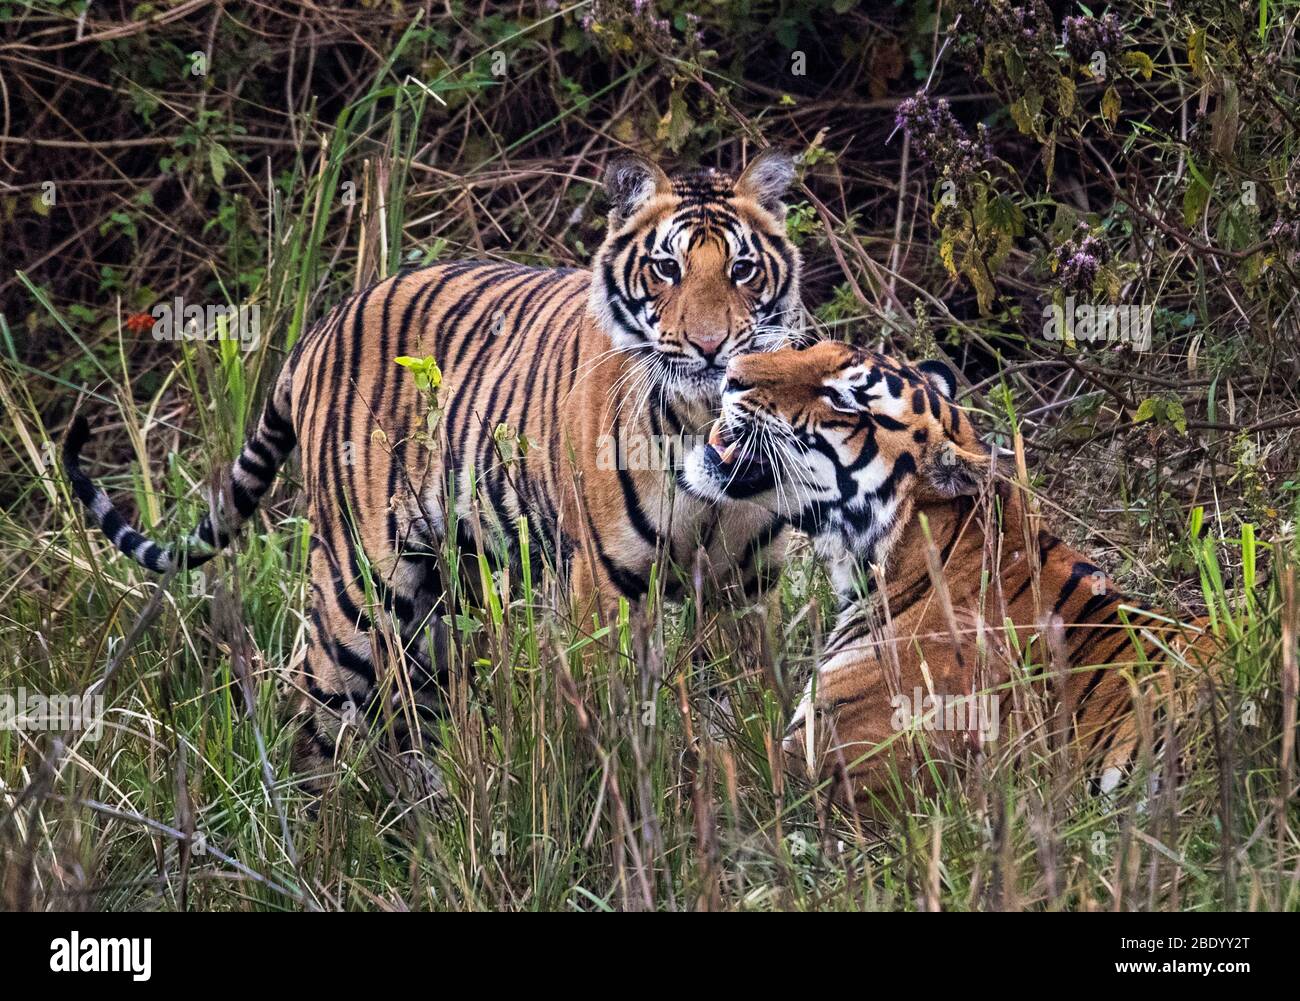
719 444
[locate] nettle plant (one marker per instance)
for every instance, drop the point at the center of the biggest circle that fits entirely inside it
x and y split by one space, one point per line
1209 177
977 223
1081 264
1037 71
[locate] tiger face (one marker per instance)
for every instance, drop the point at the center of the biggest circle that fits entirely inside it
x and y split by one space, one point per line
696 270
842 442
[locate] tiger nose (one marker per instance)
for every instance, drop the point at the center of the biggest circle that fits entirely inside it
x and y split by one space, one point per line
708 345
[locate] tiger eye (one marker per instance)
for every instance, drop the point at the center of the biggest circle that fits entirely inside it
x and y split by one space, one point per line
742 271
668 269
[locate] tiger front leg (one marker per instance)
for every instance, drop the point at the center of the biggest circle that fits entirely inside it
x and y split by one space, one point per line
374 672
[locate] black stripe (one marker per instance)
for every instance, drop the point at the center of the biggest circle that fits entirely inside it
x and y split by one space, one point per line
1077 572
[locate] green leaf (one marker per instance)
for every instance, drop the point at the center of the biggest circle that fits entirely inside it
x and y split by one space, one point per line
1015 66
1139 61
1175 414
1164 410
1197 195
677 124
1065 96
1110 105
1020 113
1196 51
425 370
1005 216
218 157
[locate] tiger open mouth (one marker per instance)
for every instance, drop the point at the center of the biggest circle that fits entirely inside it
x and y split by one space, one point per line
735 463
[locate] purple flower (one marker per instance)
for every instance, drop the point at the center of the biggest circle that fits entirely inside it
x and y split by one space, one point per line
939 138
1027 28
1030 21
1079 261
1082 36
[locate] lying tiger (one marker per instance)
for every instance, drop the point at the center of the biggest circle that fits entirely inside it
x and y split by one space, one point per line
871 457
693 271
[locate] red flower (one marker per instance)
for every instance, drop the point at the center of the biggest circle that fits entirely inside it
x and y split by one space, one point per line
138 323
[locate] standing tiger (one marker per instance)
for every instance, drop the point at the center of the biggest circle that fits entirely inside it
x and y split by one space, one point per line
694 271
854 448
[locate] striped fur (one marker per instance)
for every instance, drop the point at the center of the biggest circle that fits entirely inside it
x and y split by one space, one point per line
562 358
250 476
854 448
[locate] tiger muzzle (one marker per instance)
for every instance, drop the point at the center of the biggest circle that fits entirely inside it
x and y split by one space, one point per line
733 459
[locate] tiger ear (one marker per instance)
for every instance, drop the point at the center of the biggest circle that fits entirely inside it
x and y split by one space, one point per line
940 376
766 180
631 181
954 471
